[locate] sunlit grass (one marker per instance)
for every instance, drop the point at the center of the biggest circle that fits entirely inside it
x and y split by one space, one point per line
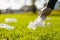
21 32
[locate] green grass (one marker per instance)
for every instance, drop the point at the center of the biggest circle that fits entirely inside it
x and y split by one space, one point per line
21 32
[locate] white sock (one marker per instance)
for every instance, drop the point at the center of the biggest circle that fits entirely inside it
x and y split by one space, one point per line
40 18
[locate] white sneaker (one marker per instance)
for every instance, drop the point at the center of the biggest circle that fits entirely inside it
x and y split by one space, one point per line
31 26
34 26
36 23
41 24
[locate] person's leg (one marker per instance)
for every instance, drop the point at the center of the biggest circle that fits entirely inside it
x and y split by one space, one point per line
43 14
47 10
39 21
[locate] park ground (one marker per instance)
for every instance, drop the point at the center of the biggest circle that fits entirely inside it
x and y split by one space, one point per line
21 32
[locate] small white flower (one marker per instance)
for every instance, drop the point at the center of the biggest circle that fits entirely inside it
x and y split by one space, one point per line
48 23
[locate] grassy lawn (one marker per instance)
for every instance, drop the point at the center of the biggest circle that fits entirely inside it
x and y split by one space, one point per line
21 32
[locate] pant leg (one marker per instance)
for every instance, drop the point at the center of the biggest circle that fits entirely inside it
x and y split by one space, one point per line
45 12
